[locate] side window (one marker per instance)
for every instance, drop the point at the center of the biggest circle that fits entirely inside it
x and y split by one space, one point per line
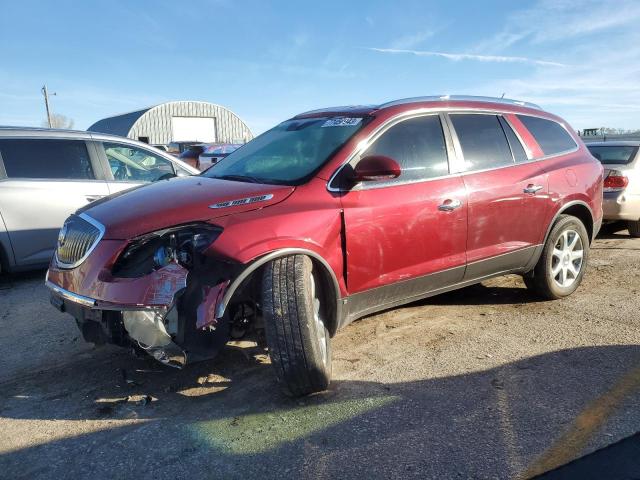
133 164
550 135
46 159
182 172
483 141
519 155
417 145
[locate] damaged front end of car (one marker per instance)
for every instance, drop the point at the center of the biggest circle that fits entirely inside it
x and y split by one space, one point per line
160 293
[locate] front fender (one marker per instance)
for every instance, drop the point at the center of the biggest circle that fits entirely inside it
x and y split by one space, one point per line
263 260
255 238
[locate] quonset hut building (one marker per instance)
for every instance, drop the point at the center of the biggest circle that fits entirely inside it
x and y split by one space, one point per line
177 122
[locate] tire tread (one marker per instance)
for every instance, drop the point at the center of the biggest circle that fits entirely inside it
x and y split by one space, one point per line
290 328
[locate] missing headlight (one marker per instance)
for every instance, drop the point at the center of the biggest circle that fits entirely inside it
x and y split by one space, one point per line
182 244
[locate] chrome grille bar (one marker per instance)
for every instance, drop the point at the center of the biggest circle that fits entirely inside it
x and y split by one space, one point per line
78 237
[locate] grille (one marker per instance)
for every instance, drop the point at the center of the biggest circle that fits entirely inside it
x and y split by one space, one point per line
78 236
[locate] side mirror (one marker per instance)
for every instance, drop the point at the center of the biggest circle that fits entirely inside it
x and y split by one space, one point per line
374 168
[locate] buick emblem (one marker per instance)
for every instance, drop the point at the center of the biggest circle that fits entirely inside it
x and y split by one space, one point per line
62 236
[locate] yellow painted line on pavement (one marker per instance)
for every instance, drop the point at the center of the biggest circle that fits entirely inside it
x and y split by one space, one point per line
572 443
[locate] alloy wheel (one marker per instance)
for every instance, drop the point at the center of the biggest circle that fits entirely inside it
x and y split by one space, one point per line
319 322
567 258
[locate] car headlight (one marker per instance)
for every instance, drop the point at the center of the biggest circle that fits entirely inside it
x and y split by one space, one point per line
182 244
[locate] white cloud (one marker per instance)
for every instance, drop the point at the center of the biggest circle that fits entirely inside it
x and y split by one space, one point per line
551 21
602 43
469 56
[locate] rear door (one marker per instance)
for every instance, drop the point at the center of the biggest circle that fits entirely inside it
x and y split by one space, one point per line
508 194
129 165
42 182
400 240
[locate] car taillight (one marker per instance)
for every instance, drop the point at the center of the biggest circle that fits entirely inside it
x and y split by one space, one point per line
615 181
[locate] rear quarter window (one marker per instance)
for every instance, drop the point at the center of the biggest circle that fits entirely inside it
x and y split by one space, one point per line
46 159
550 135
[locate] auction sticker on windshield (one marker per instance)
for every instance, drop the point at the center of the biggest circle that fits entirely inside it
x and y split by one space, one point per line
342 122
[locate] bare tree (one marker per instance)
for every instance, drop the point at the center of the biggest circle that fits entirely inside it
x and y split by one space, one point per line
617 131
59 121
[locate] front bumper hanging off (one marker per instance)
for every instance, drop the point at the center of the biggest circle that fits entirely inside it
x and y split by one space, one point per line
155 324
145 327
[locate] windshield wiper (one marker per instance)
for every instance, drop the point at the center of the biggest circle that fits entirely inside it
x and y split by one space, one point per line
239 178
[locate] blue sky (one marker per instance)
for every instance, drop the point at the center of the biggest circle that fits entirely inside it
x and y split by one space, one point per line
269 60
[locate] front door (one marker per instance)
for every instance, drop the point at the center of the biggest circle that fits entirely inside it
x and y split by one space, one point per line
46 180
508 195
405 236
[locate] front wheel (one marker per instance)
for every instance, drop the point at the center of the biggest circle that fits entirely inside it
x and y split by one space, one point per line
295 325
562 263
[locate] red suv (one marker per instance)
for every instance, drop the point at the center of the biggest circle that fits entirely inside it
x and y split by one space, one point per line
330 216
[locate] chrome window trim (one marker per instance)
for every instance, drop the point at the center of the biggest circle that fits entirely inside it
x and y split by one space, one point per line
563 125
364 144
463 170
101 230
525 147
381 130
459 157
453 158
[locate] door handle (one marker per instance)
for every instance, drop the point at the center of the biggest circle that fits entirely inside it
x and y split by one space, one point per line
532 189
449 205
93 198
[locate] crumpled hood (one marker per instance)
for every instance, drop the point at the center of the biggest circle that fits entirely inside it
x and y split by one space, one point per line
180 200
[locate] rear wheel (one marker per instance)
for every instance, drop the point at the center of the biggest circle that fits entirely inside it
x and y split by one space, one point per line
634 228
295 325
562 264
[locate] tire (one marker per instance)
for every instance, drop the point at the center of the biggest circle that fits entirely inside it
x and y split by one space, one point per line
634 228
563 261
297 336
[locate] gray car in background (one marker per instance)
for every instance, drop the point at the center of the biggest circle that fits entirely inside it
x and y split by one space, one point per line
45 175
621 162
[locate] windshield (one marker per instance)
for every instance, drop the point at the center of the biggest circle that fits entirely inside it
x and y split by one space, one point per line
289 153
612 154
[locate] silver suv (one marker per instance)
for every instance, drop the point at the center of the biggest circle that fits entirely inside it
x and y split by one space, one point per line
45 175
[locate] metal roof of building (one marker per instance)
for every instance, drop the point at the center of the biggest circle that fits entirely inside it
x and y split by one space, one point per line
118 124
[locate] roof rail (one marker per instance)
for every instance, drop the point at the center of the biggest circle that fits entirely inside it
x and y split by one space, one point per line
446 98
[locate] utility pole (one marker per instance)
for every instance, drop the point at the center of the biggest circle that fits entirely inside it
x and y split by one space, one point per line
45 92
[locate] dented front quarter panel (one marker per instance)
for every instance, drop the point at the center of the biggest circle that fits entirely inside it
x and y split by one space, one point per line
309 220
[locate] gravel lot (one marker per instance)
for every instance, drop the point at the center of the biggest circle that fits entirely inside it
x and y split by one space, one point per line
486 382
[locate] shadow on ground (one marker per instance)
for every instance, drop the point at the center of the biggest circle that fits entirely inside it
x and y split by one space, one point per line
618 461
512 421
